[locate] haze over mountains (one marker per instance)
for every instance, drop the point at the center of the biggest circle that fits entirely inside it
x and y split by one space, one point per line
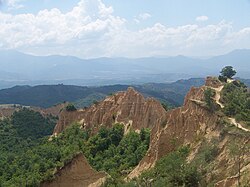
22 69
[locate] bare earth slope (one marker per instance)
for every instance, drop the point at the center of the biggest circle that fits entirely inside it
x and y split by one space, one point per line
77 173
182 126
129 108
191 124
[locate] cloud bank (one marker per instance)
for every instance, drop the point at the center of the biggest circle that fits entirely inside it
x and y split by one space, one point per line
91 29
202 18
12 4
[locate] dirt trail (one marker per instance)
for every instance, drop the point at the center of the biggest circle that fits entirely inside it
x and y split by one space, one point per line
217 100
238 125
217 96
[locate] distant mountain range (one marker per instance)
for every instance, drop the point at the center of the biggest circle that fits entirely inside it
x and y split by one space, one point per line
22 69
49 95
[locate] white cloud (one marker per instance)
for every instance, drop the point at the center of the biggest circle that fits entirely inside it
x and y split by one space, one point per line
90 29
142 17
145 16
202 18
12 4
85 26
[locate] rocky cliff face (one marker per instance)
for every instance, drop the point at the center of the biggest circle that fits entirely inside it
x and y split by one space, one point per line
191 125
182 126
77 173
129 108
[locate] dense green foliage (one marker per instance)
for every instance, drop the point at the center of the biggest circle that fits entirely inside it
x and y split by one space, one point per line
18 136
222 78
70 107
236 99
173 170
31 124
172 94
110 151
170 171
48 95
228 72
26 159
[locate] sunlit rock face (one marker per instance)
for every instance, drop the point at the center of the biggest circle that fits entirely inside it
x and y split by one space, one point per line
129 108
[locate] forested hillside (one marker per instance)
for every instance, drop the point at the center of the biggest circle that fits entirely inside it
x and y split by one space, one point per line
171 94
28 157
49 95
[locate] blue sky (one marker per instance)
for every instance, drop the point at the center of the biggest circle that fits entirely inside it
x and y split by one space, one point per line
129 28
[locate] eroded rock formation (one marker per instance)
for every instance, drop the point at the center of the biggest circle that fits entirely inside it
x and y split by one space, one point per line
181 127
129 108
191 125
77 173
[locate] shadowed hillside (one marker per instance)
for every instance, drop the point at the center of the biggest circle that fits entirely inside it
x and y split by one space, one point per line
49 95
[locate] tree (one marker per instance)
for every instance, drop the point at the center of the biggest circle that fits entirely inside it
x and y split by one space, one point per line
228 72
172 170
70 107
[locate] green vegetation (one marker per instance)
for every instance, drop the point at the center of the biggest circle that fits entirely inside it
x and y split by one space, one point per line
31 124
208 96
222 78
49 95
170 171
173 170
227 72
26 159
236 99
239 152
70 107
165 106
114 153
18 137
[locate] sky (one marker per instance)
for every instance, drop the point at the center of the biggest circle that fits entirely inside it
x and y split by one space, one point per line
125 28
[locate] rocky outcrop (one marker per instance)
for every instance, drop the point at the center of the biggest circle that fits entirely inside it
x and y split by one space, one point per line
54 110
181 127
6 112
231 181
129 108
191 125
213 82
77 173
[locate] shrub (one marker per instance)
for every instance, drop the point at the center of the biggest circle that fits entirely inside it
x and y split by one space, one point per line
164 105
70 107
222 78
172 170
208 96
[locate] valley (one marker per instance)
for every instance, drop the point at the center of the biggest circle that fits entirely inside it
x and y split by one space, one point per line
129 140
119 93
